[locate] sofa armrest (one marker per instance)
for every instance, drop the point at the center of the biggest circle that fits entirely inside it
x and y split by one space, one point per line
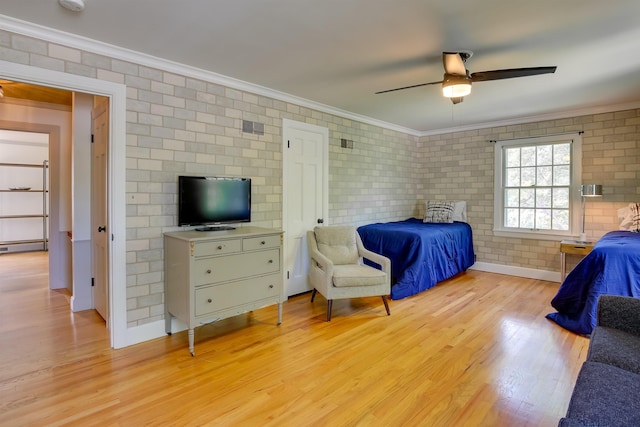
619 312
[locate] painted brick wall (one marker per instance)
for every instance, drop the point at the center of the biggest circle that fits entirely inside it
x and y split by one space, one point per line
459 166
180 125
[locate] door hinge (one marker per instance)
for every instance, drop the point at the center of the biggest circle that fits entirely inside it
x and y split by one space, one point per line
287 275
92 138
93 281
288 144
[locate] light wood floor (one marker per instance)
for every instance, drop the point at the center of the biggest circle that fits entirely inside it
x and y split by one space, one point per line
475 350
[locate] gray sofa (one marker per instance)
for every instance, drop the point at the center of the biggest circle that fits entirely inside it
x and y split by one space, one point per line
607 391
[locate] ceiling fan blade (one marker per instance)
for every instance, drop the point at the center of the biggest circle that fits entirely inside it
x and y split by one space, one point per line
457 100
408 87
453 63
511 73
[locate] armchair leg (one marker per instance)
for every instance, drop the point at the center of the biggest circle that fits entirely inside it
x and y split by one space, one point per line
313 294
386 305
329 304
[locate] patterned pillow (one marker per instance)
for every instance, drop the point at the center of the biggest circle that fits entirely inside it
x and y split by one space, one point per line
439 212
635 217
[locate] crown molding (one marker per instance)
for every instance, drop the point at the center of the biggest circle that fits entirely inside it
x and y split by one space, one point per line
536 118
83 43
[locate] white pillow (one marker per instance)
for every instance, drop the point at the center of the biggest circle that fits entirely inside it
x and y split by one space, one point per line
624 217
629 217
460 211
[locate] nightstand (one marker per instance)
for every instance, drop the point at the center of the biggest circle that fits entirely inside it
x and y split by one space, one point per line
573 247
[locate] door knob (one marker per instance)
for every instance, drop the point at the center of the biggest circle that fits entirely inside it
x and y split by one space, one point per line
101 229
320 221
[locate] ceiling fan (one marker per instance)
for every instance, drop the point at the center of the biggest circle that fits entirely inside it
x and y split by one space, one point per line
456 83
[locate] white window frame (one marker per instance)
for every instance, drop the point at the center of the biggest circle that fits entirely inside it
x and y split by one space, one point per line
574 197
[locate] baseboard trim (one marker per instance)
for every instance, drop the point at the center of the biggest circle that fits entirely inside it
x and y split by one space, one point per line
530 273
151 331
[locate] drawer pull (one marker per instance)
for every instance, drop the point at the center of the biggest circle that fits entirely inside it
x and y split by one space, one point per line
220 247
270 286
209 271
209 301
263 243
270 261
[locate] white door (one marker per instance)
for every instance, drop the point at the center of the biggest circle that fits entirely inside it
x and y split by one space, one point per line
99 233
305 195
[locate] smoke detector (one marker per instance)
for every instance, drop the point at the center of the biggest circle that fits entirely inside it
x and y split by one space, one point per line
72 5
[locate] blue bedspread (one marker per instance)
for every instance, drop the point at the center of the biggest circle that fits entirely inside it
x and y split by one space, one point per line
612 267
421 254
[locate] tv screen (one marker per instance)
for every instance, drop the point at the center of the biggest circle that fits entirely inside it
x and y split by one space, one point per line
213 200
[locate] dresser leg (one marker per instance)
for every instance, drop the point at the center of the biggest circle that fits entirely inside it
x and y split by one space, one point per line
167 323
191 343
279 313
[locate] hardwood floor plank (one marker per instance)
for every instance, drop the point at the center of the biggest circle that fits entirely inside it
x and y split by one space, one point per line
474 350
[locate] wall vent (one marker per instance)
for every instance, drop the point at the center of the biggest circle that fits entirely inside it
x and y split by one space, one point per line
346 143
252 127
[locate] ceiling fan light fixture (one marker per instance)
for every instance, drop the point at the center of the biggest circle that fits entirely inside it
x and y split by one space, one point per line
456 86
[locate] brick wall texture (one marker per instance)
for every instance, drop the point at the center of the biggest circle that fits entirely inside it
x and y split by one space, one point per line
180 125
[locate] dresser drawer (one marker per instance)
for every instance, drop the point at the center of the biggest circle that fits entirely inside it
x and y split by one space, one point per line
220 247
253 243
210 299
232 267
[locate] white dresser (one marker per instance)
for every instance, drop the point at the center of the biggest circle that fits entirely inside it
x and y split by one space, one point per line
212 275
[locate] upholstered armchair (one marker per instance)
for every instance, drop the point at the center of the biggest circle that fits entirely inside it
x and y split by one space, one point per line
337 270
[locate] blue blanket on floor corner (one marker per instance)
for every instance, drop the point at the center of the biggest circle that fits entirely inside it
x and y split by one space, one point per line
612 267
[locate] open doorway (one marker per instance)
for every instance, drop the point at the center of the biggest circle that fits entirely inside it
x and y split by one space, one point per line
64 120
120 335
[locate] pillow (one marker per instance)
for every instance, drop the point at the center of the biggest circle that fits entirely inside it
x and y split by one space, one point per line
460 211
635 217
624 217
439 211
629 217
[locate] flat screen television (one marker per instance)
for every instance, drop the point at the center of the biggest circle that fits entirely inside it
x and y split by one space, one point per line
210 201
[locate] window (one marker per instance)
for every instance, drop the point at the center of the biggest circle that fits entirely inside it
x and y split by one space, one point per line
536 182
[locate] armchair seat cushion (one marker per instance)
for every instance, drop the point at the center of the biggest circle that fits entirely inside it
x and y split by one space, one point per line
615 347
357 275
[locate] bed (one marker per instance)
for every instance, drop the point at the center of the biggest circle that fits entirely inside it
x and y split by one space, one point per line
612 267
422 254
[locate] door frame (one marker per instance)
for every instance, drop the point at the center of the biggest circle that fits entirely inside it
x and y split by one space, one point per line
115 177
287 126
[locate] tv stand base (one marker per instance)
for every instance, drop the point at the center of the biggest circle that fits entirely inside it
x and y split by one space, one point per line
216 228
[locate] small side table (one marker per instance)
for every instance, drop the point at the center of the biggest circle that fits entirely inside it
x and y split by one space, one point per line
573 247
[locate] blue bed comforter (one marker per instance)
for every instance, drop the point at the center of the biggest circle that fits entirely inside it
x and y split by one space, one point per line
612 267
421 254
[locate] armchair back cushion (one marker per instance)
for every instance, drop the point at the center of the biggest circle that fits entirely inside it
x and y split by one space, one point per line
338 244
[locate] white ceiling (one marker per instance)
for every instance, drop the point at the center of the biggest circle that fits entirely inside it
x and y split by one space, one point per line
339 52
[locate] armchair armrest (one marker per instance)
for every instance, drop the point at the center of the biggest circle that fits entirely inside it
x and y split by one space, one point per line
381 260
320 267
618 312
